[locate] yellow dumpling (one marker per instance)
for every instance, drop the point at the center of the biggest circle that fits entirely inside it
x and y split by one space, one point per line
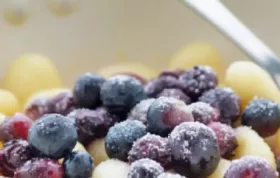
249 80
29 74
221 169
8 103
200 53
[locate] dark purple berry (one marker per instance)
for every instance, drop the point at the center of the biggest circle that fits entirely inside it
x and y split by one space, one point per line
198 80
250 167
153 147
173 73
15 127
226 138
165 113
40 168
139 112
63 103
86 91
145 168
175 93
78 164
121 137
204 113
226 101
53 136
121 93
170 175
14 154
263 116
38 108
92 124
154 87
194 149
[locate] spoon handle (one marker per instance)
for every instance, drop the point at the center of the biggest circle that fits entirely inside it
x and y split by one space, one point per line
217 14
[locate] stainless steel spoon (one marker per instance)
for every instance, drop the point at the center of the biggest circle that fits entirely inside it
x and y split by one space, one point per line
217 14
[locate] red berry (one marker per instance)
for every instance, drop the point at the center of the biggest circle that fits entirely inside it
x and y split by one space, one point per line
14 154
204 113
15 127
226 138
40 168
250 167
153 147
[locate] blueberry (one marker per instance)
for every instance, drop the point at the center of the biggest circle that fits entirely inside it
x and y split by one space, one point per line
145 168
204 113
53 136
263 116
78 164
175 93
121 93
198 80
86 91
226 101
121 136
194 149
92 124
165 113
250 166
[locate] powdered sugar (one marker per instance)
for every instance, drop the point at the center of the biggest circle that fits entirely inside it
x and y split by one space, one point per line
204 113
170 175
139 112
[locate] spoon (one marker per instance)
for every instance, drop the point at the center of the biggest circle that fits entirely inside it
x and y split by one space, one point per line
217 14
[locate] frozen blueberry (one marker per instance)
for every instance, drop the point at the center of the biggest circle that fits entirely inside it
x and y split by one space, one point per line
165 113
204 113
250 166
53 136
170 175
78 164
136 76
86 90
153 147
263 116
121 136
121 93
226 101
173 73
139 112
14 154
92 124
154 87
194 149
145 168
15 127
40 168
198 80
175 93
226 138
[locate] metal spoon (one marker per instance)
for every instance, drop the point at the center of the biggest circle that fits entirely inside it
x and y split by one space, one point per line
217 14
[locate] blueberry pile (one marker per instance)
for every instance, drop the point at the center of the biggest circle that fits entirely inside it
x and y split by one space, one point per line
178 125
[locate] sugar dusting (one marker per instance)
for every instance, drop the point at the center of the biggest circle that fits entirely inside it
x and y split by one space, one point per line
203 112
139 112
170 175
261 105
145 168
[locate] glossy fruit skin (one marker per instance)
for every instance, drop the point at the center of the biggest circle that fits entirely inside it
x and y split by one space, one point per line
15 127
121 93
194 149
40 168
14 154
175 93
121 137
198 80
153 147
165 113
139 112
53 136
145 168
86 91
92 124
226 101
226 138
155 86
263 116
78 164
250 166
